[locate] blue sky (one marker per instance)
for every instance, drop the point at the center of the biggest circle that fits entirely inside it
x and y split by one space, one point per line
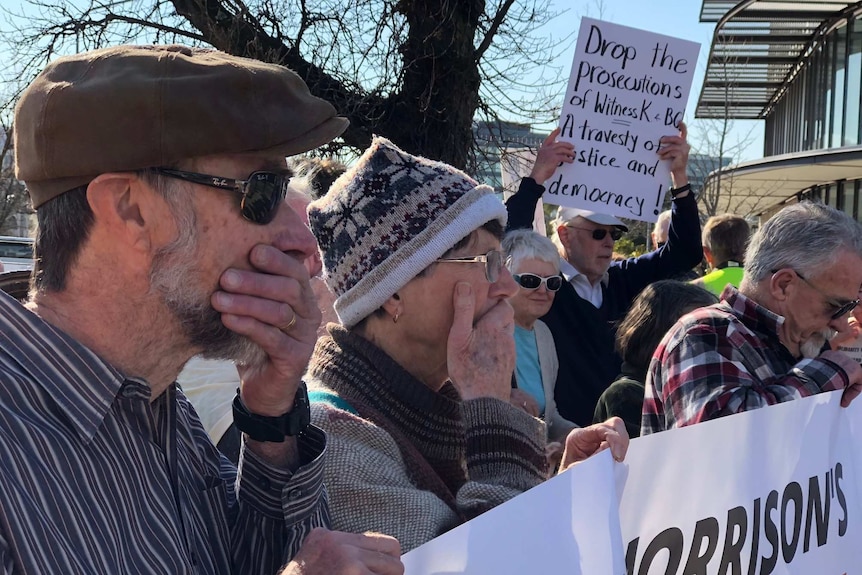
679 18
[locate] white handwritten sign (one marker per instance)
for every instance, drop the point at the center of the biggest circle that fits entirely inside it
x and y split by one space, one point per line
627 89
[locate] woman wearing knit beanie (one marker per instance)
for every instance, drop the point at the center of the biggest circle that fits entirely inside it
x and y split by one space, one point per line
412 388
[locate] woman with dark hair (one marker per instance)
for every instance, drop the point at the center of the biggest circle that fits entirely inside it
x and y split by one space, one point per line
655 310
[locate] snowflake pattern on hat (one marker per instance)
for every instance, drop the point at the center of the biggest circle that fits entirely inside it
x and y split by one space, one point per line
385 210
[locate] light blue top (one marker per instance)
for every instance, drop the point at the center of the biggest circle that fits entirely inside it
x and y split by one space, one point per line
528 371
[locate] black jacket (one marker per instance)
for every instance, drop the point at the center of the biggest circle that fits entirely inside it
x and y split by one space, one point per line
583 335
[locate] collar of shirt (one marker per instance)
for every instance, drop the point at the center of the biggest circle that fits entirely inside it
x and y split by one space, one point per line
583 287
79 381
754 315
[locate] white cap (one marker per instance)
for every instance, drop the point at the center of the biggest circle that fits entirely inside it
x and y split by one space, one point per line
566 214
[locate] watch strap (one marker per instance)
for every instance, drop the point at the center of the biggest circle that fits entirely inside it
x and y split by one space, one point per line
275 429
674 192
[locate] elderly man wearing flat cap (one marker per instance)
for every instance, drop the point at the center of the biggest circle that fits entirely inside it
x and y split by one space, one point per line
158 178
598 291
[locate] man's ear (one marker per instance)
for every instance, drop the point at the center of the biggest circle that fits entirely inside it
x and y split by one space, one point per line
563 233
708 255
123 206
781 283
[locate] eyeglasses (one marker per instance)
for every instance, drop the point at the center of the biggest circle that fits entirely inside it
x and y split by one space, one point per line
532 281
493 263
600 233
262 193
840 308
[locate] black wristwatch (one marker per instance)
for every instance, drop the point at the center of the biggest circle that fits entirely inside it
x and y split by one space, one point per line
674 192
261 428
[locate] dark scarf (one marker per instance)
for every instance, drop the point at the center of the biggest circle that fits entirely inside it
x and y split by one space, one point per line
427 426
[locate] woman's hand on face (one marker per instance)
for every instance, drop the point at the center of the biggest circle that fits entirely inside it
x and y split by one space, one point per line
481 356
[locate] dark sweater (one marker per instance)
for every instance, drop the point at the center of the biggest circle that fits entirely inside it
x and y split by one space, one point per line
583 335
624 399
408 461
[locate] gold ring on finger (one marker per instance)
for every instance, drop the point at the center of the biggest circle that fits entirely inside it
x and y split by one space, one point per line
290 324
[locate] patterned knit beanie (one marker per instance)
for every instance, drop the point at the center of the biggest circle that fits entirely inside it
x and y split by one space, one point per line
388 218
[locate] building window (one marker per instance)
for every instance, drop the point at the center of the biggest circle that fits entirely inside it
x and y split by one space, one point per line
854 82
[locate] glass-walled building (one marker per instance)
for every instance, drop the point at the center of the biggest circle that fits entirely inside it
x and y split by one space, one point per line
797 65
820 107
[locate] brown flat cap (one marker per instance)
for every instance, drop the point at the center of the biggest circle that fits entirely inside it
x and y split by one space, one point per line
134 107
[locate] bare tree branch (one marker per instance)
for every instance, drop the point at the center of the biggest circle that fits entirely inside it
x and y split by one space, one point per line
498 20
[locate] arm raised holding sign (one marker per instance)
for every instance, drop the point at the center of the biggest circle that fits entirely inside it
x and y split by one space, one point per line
597 291
551 154
675 149
683 249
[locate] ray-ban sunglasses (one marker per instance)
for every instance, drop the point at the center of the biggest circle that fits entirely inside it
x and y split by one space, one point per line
262 193
600 233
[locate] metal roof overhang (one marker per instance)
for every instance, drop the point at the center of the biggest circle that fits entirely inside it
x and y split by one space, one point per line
757 48
752 188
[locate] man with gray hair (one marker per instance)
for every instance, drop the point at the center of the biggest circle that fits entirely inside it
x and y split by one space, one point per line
598 291
763 344
158 176
660 230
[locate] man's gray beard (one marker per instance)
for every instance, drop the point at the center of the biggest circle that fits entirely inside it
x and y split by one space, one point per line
811 347
173 276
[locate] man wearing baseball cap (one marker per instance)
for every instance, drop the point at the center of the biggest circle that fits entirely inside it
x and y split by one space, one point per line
600 291
158 177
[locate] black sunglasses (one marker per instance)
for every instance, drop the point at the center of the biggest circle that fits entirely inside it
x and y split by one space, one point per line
840 308
600 233
262 193
532 281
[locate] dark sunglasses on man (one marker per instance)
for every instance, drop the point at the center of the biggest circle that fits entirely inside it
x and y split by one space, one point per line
839 308
532 281
262 193
600 233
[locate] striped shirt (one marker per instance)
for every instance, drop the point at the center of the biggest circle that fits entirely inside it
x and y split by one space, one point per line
724 359
94 478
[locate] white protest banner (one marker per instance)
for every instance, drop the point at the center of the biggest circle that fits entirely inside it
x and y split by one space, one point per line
770 491
516 164
566 525
627 89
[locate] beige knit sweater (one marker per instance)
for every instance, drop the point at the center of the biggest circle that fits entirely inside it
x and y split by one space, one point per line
405 460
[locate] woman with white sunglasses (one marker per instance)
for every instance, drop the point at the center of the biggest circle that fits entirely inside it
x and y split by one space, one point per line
535 266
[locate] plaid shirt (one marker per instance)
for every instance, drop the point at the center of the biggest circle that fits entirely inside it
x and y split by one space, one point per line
725 359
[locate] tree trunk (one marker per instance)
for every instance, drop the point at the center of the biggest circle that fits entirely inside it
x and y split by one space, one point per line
433 112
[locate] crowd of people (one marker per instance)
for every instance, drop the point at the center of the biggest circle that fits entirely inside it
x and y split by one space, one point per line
171 402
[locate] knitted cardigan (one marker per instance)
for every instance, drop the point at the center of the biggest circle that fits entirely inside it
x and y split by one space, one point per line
404 460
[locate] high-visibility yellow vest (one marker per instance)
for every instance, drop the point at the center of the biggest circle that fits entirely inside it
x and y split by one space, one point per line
716 280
